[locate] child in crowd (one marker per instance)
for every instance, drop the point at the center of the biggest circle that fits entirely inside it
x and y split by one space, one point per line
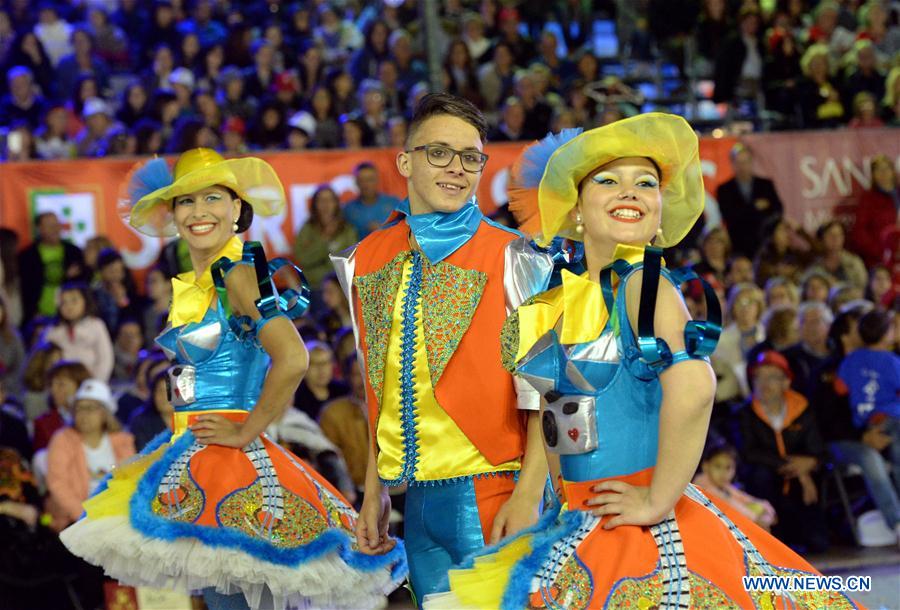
716 477
63 380
81 455
872 376
41 359
80 333
155 415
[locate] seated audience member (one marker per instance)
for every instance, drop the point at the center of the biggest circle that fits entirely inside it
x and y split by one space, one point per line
872 376
42 357
848 444
81 455
781 331
159 294
129 340
368 211
113 290
716 477
880 289
63 380
788 250
811 352
155 416
138 393
345 422
815 285
781 292
782 451
326 232
836 260
80 333
12 350
336 312
877 207
319 386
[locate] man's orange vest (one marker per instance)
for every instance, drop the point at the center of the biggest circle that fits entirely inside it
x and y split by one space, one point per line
474 389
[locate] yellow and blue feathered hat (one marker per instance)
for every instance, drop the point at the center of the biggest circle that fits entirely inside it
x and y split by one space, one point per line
152 187
547 175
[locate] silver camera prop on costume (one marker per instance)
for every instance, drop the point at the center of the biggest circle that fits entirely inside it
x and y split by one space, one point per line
181 383
570 424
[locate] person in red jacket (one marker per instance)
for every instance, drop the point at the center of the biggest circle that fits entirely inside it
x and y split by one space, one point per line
63 380
877 211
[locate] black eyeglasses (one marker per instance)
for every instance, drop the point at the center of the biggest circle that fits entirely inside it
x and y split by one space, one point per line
438 155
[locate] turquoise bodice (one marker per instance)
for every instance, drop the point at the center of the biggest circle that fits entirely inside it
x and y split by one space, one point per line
214 368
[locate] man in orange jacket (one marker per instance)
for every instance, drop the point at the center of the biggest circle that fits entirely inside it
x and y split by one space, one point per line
429 293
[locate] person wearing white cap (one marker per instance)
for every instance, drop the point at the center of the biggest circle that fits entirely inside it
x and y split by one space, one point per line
301 129
81 455
99 123
182 81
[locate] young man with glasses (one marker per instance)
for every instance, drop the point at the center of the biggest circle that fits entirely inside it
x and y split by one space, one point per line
429 293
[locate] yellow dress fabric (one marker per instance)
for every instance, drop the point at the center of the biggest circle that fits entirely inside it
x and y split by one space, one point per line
192 296
444 450
582 301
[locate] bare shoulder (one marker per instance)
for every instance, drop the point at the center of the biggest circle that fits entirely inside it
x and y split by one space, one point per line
671 314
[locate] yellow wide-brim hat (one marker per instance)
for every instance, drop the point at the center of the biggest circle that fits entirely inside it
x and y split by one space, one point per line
152 188
667 139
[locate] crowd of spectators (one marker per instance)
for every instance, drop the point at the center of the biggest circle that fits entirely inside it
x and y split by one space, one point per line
123 77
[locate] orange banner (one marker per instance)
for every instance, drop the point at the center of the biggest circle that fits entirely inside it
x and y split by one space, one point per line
812 172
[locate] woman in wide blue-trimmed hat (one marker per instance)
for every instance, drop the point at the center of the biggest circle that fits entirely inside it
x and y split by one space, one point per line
628 391
215 505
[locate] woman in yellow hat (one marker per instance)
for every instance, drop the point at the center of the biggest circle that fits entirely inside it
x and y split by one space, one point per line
628 392
214 504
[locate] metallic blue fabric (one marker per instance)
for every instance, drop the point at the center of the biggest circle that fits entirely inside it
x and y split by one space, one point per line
626 387
439 235
441 528
230 374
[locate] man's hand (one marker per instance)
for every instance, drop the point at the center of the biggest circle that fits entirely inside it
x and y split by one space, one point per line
875 437
798 465
515 515
810 493
218 430
372 526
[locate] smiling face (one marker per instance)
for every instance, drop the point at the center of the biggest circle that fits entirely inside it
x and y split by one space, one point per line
440 189
620 203
204 218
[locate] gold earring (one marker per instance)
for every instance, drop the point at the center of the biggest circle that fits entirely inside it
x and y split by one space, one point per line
659 232
234 227
579 227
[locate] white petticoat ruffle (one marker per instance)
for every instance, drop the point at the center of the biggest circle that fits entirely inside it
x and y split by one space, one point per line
189 565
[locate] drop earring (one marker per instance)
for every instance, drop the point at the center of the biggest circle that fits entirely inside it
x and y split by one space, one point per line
579 227
234 227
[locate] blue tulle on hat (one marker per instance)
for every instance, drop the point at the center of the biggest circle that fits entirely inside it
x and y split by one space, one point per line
153 175
535 157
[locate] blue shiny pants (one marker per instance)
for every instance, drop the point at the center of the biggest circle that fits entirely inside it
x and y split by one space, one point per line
446 521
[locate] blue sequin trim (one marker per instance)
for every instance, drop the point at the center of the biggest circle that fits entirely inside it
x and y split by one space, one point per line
407 383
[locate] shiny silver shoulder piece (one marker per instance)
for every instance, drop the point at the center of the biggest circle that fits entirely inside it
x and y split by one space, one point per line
345 268
526 272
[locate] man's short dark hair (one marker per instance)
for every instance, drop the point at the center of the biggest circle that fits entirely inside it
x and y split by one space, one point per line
874 325
364 165
437 104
